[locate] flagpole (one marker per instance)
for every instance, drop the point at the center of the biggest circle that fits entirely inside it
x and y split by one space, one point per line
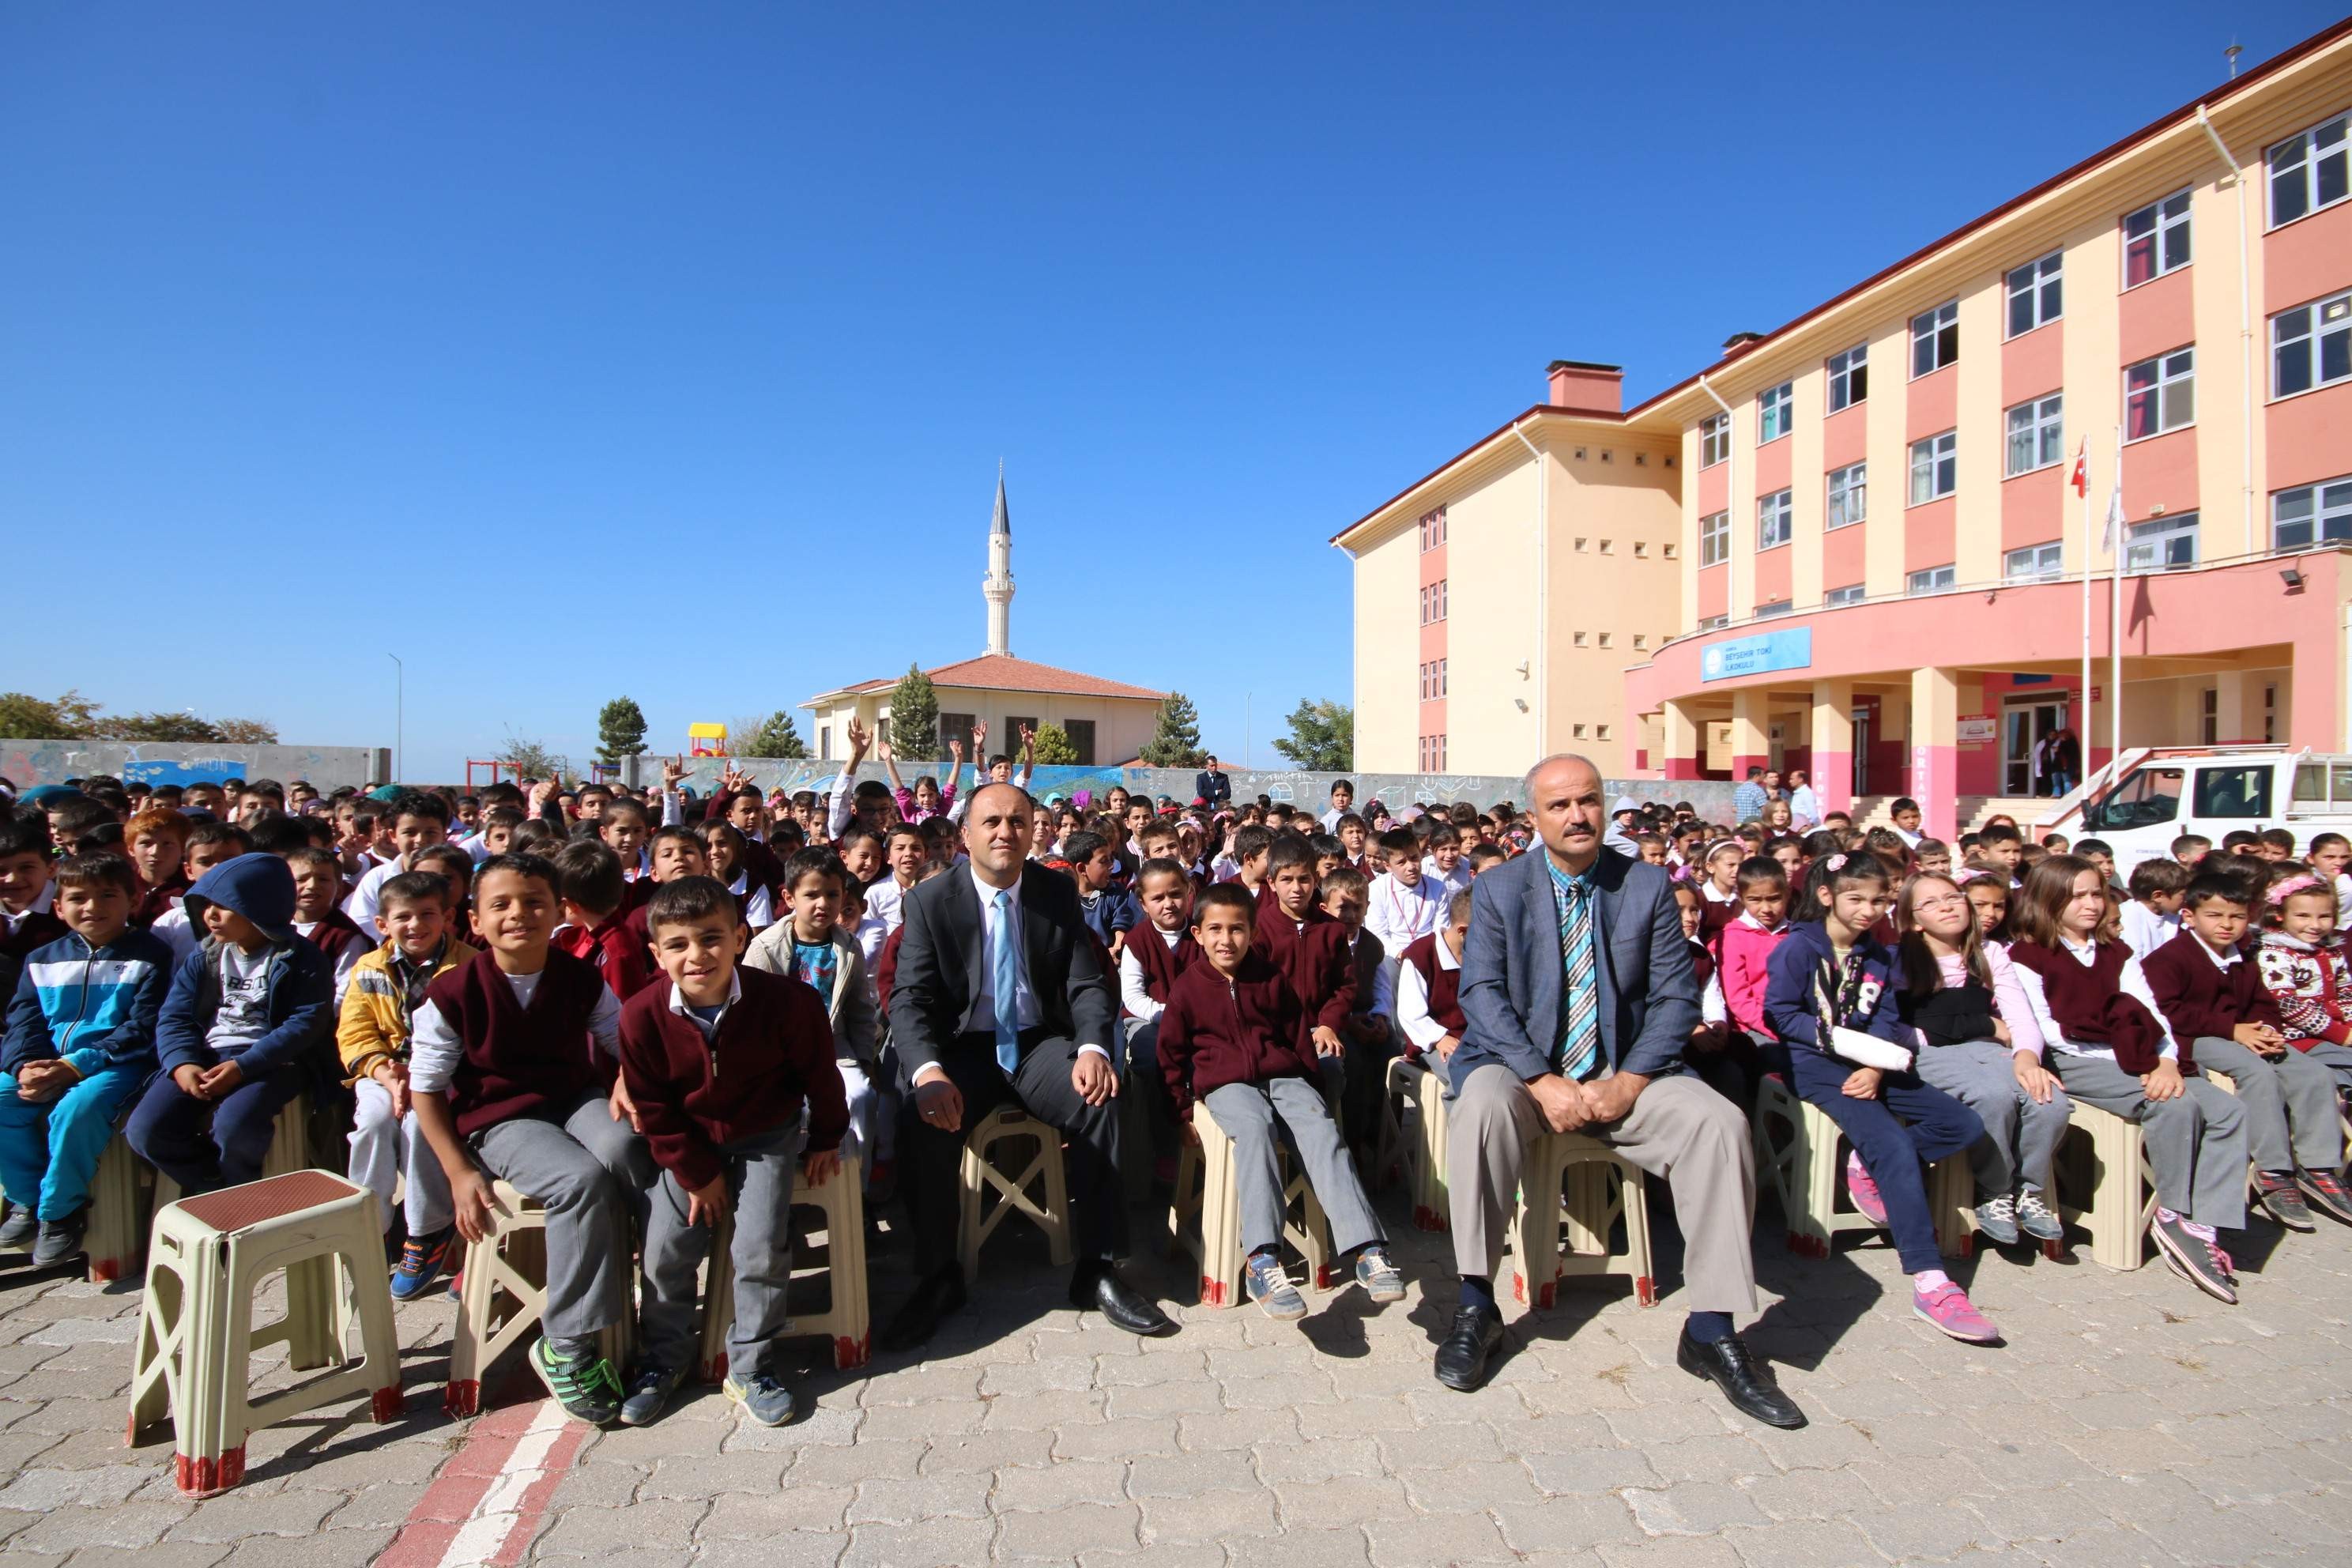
2082 725
2115 609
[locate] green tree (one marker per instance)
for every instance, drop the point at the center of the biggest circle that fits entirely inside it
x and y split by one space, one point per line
25 717
1053 748
774 736
914 718
1176 743
531 759
620 729
1322 738
248 732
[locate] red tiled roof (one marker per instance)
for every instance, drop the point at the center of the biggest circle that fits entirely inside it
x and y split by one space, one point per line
1002 672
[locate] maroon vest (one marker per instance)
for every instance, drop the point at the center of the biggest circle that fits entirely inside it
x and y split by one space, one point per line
518 1060
1443 985
335 932
1160 962
2090 1005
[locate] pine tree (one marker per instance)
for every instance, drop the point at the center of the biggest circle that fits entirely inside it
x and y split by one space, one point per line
1053 748
775 736
1322 738
1176 743
620 729
914 718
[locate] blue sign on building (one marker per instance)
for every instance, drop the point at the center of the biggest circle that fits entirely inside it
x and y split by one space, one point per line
1791 650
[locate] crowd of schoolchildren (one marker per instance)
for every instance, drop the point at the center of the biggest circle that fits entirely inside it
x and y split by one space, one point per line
656 1012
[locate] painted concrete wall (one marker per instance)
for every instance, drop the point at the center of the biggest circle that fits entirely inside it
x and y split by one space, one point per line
29 763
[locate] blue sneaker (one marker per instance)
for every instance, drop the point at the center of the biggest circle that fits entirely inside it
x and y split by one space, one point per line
1271 1289
421 1263
764 1399
1377 1272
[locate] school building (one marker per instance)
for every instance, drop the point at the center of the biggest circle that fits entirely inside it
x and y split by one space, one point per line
2182 300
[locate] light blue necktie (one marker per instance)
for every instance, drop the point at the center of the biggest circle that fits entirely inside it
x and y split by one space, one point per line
1005 964
1579 1050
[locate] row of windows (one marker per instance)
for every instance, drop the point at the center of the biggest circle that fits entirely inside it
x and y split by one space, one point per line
1433 679
1433 602
1607 639
1432 530
1600 732
1432 754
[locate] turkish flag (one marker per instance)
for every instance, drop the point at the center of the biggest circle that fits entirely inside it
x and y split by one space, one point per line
2082 475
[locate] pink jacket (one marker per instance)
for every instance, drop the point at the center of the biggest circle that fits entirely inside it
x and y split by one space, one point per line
1743 947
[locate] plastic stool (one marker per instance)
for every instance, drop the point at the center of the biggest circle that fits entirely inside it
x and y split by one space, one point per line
1802 1154
1205 1186
2102 1162
1601 1187
290 1151
118 1215
206 1262
847 1321
1421 1087
510 1261
1050 1213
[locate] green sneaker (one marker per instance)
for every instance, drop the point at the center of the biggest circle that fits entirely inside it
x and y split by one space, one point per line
586 1385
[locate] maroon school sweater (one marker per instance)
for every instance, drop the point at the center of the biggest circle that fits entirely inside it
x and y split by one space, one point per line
2090 1005
1315 960
1161 965
771 1052
334 932
1246 1031
2198 997
1443 985
517 1060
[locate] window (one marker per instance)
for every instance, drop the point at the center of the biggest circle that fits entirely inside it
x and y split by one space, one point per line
2232 792
1934 339
2311 345
2160 393
1935 467
1432 754
1715 539
1775 519
1608 547
1713 439
1641 639
2034 563
2167 544
1432 530
1606 638
1441 677
1934 580
1777 607
956 727
2311 514
1852 593
2155 239
1849 496
2035 436
1713 623
1601 731
2307 172
1772 413
2149 798
1424 681
1641 551
1433 602
1849 377
2209 716
1081 732
2035 294
1577 638
1670 551
1016 725
1576 731
824 742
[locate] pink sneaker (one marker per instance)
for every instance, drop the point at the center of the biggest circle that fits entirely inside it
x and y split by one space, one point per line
1863 1190
1948 1308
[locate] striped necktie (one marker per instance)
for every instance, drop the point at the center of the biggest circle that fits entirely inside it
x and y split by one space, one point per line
1578 1051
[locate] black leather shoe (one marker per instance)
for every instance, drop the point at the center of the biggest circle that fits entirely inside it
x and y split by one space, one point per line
939 1294
1476 1335
1097 1287
1731 1366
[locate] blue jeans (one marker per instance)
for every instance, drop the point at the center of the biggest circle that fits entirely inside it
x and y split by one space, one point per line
50 1149
205 1145
1908 1127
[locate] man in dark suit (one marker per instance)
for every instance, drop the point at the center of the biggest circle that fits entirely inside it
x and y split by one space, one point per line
1578 996
1210 785
1000 998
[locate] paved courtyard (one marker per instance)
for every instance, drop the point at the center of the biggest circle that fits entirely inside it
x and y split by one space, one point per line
2129 1420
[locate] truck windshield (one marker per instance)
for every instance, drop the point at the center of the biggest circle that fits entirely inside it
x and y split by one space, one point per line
2148 798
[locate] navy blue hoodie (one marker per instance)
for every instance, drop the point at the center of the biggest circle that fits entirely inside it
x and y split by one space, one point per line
1788 996
299 980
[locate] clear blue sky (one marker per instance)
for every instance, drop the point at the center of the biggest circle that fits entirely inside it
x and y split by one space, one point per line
574 350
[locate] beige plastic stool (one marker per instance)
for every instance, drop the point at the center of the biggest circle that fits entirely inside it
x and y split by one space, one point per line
1601 1186
205 1264
848 1322
1421 1092
2229 1086
2103 1165
1205 1186
509 1262
118 1215
1802 1154
1049 1212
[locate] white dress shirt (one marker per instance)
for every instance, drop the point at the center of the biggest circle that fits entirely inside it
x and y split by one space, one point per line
1412 1000
2133 983
2145 931
1134 995
435 1051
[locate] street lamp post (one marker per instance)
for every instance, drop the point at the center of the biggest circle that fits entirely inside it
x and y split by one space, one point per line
399 712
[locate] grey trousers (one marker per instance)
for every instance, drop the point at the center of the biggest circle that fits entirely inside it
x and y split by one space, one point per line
578 1164
2337 1060
384 1148
1246 1113
2290 1100
760 1173
2196 1142
1679 1129
2022 1134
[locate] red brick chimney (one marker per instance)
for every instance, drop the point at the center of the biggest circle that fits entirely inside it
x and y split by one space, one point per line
1584 388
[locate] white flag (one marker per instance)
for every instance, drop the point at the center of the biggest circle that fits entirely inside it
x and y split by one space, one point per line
2115 516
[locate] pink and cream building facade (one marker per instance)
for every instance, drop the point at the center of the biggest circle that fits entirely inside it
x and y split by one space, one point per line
1879 567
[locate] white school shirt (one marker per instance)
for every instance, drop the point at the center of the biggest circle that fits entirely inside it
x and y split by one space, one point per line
41 905
2145 931
1132 993
2134 984
885 901
368 896
758 909
176 931
1442 885
1908 838
345 960
435 1051
1412 1000
869 936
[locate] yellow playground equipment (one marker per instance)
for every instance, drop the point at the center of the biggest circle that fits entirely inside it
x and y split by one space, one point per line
707 740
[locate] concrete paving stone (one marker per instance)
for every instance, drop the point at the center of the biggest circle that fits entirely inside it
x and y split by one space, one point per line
1040 1488
1185 1475
1352 1500
1353 1417
1929 1533
379 1508
1205 1554
327 1549
1465 1440
238 1514
707 1475
124 1525
824 1427
990 1451
1474 1487
1670 1551
1222 1428
1456 1538
1728 1457
921 1384
592 1485
886 1423
1113 1439
1692 1508
910 1501
784 1549
39 1490
192 1553
1212 1516
742 1516
1805 1495
1183 1365
1905 1482
1327 1459
1701 1416
1181 1397
1570 1524
858 1462
1046 1411
1592 1471
644 1527
1065 1533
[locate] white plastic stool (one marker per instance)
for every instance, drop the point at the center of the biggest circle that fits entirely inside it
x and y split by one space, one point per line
848 1322
2105 1181
118 1215
508 1263
1601 1186
1205 1186
1049 1211
1420 1088
1802 1154
206 1262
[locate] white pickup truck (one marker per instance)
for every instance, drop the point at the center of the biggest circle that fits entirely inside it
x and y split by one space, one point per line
2164 792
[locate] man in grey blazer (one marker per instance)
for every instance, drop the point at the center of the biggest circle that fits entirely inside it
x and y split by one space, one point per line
1579 994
